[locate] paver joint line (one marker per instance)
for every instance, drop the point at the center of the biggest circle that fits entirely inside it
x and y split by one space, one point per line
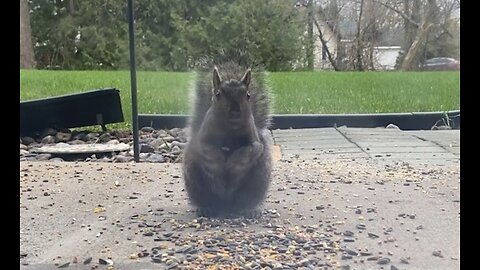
348 139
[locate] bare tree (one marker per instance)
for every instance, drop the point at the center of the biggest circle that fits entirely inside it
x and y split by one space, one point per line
326 19
331 58
358 27
420 37
310 41
444 37
358 37
417 26
27 56
369 21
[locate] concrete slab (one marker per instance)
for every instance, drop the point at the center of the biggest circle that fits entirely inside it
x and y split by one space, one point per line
406 149
345 206
447 139
315 144
342 214
425 147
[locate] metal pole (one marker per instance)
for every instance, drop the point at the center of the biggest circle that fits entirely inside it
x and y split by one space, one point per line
133 79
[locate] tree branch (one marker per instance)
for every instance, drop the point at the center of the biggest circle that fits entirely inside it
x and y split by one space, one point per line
324 45
399 12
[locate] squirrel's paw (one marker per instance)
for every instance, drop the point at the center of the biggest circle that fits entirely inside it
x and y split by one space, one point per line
251 213
207 212
212 213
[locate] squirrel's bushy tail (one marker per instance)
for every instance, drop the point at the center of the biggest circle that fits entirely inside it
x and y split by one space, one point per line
202 93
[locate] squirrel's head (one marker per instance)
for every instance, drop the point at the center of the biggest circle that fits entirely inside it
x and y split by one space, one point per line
231 98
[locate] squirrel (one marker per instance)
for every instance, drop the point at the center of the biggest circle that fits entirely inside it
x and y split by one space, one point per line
227 161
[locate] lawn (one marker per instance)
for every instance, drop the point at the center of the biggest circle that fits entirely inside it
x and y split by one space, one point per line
365 92
294 92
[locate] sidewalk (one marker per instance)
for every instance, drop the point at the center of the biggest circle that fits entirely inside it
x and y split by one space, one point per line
380 144
345 198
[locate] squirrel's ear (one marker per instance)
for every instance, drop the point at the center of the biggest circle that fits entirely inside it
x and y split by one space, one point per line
247 77
216 79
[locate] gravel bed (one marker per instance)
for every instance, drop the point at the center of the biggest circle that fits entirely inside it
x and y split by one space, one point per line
156 146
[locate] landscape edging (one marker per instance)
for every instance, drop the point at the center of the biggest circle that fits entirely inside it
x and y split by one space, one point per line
405 121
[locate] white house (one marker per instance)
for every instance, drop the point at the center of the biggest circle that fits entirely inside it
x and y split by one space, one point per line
385 57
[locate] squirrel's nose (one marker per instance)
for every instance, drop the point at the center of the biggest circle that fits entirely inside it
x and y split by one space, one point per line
234 107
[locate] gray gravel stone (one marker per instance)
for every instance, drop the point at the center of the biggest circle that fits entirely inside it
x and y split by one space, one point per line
92 136
76 142
49 139
82 136
158 146
43 157
63 136
146 148
157 158
181 145
27 140
48 131
105 137
122 159
147 129
383 260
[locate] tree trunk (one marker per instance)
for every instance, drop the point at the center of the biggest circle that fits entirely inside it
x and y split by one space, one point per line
324 45
359 50
27 57
310 43
333 13
412 10
409 62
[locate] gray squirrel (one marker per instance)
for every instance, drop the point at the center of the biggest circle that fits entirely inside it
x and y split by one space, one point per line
227 162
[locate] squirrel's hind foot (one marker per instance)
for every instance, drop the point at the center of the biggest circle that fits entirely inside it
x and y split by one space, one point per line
208 212
212 213
251 213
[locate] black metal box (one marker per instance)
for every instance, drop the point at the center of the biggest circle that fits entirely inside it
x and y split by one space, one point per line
95 107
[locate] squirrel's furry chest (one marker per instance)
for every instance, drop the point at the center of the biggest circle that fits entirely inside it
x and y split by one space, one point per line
229 144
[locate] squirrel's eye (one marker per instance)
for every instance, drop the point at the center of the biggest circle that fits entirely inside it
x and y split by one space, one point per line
248 95
217 94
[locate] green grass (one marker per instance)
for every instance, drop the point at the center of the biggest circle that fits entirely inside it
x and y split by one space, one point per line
365 92
294 92
157 92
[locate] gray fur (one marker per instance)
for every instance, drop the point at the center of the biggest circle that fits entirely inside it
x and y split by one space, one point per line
227 162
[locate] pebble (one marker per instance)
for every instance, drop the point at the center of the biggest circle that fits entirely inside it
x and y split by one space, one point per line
361 226
384 260
27 140
63 136
156 158
47 132
49 139
43 157
437 253
157 146
122 159
65 265
147 129
146 148
352 252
